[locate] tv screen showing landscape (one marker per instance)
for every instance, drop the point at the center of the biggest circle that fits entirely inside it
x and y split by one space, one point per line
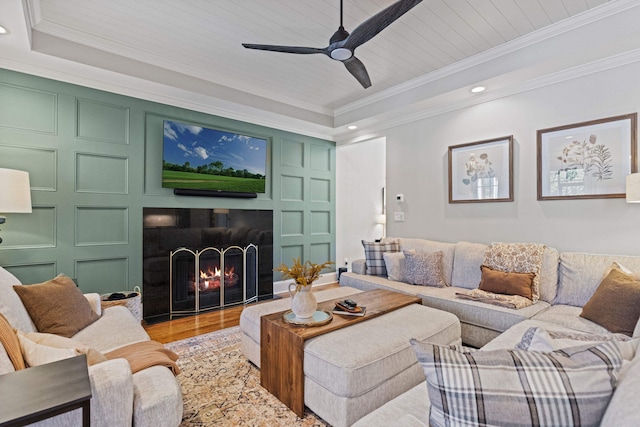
199 158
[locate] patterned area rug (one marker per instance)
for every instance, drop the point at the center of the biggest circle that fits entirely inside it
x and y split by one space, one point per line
222 388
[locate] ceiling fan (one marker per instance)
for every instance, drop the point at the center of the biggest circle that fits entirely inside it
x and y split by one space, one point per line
342 45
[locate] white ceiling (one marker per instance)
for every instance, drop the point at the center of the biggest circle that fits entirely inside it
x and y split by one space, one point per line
192 49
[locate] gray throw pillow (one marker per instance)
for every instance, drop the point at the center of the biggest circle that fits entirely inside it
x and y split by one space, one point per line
394 262
424 269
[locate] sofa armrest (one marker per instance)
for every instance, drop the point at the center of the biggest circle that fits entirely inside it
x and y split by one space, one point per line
94 301
112 393
359 266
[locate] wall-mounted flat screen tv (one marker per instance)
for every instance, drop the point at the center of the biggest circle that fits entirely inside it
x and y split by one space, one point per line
199 158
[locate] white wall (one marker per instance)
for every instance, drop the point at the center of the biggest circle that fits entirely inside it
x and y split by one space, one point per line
417 167
360 177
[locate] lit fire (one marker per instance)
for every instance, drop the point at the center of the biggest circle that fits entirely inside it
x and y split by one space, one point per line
210 279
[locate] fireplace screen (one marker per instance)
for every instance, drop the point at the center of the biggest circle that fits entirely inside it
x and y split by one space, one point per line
212 278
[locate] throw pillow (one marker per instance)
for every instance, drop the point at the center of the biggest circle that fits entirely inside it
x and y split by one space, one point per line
538 339
515 387
51 340
617 266
394 263
374 256
500 282
57 306
37 354
615 304
517 258
9 340
424 269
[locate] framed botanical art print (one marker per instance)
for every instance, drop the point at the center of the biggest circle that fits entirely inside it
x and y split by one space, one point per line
481 171
587 160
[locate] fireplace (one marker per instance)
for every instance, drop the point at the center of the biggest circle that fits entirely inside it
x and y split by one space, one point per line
212 278
180 242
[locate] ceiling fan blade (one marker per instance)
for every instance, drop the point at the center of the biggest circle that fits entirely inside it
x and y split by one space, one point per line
357 69
378 22
285 49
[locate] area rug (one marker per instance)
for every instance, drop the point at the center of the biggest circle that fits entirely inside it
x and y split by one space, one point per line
222 388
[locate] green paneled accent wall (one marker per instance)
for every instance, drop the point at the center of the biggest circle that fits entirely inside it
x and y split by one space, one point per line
95 161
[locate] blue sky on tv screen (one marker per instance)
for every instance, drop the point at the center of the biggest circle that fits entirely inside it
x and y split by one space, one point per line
201 146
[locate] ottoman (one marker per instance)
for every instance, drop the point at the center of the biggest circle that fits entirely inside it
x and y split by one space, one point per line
352 371
250 318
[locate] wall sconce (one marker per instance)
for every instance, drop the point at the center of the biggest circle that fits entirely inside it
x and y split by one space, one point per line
633 188
15 193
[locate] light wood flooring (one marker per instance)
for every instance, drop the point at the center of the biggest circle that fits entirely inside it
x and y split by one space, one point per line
187 327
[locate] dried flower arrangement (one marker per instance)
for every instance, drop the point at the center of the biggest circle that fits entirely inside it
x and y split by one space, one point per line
304 274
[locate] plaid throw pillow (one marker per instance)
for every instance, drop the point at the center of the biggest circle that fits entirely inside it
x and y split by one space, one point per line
521 388
373 253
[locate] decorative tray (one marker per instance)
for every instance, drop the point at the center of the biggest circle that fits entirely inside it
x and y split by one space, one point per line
319 318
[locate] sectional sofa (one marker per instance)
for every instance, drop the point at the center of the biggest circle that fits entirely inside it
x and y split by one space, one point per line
149 397
568 281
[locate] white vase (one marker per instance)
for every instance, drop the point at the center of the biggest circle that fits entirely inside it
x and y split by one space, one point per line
303 302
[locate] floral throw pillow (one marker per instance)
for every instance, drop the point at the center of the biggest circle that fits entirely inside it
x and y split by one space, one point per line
374 256
517 258
424 269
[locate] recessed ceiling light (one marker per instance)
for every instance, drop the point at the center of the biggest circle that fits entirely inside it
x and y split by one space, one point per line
478 89
3 30
352 127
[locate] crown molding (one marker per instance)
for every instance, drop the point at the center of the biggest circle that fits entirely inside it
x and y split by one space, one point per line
554 30
37 24
597 66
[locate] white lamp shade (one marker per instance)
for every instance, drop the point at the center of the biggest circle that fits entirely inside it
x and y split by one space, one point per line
15 191
633 188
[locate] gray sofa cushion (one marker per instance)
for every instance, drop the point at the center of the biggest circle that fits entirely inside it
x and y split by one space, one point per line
429 246
367 283
477 313
466 264
569 316
116 328
352 371
353 360
549 274
11 305
407 410
580 274
624 406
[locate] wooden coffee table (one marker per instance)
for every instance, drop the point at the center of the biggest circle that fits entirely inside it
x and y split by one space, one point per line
282 344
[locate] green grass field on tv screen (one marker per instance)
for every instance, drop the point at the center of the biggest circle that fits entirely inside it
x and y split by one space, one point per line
201 181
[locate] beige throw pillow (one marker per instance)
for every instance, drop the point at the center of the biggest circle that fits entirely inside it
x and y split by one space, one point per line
57 306
37 354
51 340
615 304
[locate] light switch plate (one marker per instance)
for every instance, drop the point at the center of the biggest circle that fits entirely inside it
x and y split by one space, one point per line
398 216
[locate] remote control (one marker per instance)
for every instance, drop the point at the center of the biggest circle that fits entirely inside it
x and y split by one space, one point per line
350 303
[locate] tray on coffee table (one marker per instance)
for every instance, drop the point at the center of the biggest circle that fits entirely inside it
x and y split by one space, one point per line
319 318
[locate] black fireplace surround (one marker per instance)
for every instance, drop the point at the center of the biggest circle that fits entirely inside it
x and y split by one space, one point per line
168 229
